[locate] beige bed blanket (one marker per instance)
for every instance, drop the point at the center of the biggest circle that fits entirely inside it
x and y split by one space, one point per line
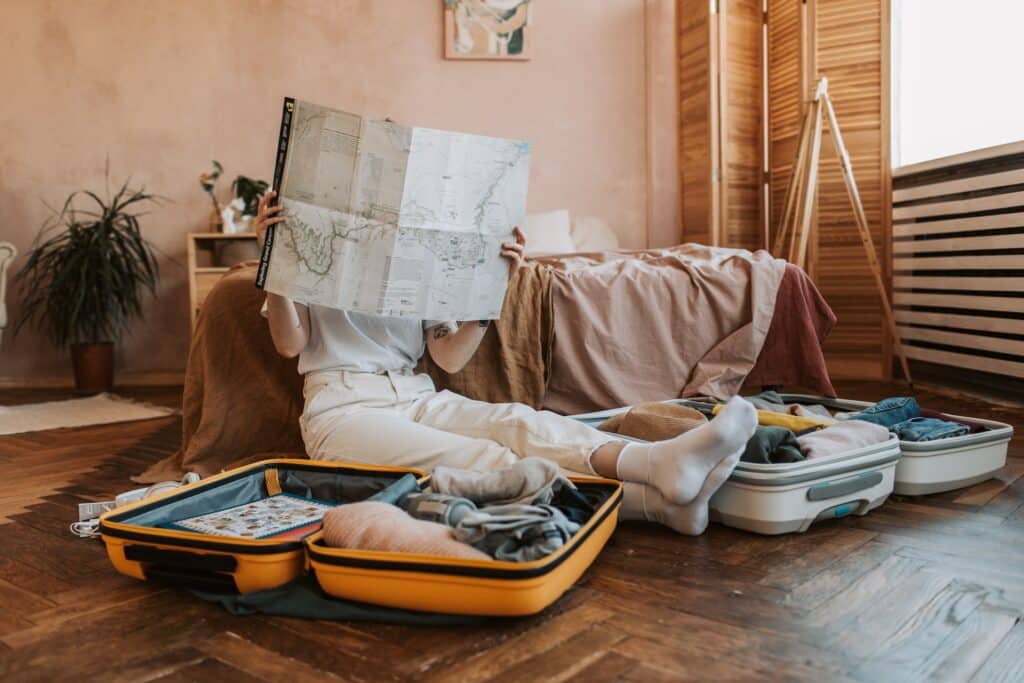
635 326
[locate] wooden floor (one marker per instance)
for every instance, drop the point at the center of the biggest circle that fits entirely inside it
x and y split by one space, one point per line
928 587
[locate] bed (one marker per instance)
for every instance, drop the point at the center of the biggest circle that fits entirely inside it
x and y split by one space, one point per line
579 332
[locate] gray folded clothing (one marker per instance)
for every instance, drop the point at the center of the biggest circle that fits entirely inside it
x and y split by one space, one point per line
529 481
516 533
438 507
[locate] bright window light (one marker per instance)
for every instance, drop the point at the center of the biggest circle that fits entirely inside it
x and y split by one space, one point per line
957 76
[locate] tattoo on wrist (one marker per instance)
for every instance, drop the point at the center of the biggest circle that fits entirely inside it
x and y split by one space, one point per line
441 332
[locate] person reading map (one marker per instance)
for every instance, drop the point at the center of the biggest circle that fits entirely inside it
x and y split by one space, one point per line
389 242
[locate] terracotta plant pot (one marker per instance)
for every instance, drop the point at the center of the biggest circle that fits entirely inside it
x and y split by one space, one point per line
94 367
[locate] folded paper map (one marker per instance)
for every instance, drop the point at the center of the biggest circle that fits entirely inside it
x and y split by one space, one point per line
260 519
392 220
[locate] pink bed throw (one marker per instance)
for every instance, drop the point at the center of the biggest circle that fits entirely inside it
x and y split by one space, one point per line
657 324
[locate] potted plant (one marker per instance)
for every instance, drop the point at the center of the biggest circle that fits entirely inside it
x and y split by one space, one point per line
249 191
236 216
208 181
85 277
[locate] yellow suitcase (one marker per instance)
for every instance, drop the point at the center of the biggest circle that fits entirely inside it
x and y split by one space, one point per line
140 545
457 586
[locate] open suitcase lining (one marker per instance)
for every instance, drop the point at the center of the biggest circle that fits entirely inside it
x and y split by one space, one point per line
333 487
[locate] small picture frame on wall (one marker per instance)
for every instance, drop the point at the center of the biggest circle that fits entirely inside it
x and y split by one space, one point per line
487 29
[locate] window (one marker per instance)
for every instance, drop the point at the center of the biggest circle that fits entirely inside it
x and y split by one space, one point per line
957 76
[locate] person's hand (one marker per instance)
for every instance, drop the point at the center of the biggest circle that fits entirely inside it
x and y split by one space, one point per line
265 216
513 251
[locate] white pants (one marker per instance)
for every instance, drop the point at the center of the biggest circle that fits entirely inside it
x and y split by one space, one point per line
402 420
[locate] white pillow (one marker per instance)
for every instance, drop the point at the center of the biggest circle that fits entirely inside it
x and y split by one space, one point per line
548 233
590 233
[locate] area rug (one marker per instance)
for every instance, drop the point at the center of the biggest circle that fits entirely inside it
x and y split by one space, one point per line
78 412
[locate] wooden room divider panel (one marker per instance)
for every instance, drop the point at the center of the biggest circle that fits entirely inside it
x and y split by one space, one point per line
724 111
720 76
850 47
698 143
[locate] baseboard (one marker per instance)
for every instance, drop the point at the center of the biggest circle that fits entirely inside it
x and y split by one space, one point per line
851 367
122 379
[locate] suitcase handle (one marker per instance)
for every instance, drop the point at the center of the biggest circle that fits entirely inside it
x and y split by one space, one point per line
180 559
843 487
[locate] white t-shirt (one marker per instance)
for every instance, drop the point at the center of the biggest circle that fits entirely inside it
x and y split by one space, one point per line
342 340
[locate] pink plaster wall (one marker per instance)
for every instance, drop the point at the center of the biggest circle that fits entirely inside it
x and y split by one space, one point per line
162 87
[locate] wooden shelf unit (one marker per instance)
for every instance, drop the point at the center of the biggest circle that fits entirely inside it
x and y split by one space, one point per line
203 271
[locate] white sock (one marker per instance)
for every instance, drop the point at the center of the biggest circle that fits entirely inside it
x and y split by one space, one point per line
640 501
678 467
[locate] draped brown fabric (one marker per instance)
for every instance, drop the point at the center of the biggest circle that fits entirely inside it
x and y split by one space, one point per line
511 364
242 400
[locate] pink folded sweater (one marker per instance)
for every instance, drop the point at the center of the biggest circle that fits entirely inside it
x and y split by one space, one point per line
373 525
841 437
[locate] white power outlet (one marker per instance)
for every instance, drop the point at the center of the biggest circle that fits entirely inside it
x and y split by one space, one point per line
87 511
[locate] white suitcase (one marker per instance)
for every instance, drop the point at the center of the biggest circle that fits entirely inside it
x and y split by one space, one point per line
790 497
940 465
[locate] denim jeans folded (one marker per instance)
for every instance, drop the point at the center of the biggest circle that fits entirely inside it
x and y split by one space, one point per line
927 429
890 411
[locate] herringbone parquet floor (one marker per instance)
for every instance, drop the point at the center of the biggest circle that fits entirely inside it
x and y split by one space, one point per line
921 588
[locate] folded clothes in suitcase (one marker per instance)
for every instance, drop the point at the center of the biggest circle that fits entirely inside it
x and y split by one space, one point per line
790 497
185 537
942 464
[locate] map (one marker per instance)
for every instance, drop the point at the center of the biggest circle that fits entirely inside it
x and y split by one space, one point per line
393 220
259 519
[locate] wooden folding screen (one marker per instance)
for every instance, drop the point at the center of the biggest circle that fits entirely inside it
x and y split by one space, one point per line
720 74
725 111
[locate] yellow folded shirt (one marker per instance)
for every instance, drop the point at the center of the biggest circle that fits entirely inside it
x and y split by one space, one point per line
794 423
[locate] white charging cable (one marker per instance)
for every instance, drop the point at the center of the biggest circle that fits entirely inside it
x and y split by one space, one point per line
87 529
88 524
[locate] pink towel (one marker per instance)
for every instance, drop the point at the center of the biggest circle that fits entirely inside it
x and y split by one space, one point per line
373 525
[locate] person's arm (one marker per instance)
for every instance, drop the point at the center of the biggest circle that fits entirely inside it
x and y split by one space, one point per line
451 350
288 320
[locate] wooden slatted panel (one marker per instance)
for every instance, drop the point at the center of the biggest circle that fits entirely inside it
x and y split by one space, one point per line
785 60
974 342
741 121
978 284
959 276
1007 200
970 184
997 221
694 121
848 44
970 361
917 263
974 302
943 245
965 322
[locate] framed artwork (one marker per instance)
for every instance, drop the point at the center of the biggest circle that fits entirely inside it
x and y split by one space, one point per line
486 29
